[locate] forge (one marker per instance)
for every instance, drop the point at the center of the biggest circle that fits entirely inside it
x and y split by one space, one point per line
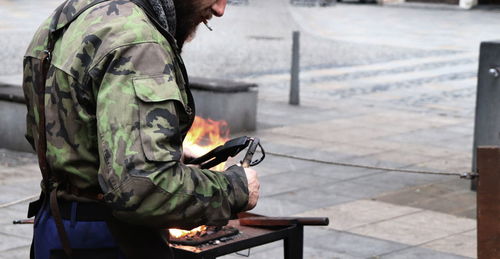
247 231
206 235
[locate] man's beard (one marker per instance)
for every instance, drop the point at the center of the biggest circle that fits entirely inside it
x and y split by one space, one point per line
189 16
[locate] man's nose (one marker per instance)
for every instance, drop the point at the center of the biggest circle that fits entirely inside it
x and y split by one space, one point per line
218 7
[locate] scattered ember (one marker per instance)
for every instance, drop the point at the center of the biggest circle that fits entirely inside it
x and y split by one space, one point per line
208 236
178 233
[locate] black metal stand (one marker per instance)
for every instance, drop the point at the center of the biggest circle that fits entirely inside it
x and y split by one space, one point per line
293 237
294 243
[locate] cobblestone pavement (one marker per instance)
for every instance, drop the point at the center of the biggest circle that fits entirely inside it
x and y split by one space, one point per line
381 86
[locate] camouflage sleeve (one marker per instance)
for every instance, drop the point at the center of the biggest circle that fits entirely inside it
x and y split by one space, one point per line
140 111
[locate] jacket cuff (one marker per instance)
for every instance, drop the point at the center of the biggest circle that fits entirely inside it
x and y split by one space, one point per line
237 189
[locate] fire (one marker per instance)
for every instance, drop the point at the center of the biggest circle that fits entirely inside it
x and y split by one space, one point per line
204 135
177 233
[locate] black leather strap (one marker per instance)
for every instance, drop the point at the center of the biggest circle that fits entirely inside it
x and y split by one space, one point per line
50 180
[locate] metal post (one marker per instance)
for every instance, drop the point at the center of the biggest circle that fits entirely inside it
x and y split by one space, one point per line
487 122
294 84
488 202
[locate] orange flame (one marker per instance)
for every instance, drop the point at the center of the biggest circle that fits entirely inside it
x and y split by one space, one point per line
177 233
205 135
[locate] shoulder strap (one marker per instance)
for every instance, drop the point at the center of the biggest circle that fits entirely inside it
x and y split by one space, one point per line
54 33
50 180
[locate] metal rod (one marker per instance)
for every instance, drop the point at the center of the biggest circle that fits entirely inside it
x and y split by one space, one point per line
23 221
295 84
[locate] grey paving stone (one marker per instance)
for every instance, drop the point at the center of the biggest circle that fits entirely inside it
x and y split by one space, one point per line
310 253
12 242
277 206
468 213
450 164
263 249
290 145
340 172
273 147
323 155
12 158
21 208
22 252
411 195
419 253
15 213
398 180
18 176
275 164
355 190
21 190
459 244
373 161
277 114
459 204
462 143
352 244
18 231
255 250
289 181
315 197
464 128
420 136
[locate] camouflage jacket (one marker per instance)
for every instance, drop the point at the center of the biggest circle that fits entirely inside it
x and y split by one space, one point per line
117 111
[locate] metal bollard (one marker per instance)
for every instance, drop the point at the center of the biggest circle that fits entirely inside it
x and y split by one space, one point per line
294 83
487 121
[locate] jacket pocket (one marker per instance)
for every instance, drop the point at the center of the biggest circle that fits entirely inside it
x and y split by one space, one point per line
160 102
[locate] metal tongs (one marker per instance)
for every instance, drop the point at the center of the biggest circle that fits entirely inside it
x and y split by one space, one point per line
230 149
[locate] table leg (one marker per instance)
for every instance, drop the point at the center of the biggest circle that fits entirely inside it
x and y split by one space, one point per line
294 243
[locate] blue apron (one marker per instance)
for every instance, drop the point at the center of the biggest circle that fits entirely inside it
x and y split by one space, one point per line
88 239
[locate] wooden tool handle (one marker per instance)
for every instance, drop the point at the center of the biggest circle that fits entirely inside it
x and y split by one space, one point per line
284 221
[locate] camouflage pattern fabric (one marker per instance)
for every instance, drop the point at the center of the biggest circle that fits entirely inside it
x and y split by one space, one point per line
117 111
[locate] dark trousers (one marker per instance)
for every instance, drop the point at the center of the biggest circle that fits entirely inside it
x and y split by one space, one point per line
88 239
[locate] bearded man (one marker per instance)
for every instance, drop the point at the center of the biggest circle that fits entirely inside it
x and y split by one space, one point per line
108 108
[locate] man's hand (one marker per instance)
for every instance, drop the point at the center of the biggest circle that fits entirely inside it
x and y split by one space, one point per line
253 188
187 154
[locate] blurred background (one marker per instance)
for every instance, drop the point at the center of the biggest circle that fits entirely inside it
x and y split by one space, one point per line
384 86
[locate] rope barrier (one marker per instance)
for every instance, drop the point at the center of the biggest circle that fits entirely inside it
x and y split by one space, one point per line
12 203
365 166
32 197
